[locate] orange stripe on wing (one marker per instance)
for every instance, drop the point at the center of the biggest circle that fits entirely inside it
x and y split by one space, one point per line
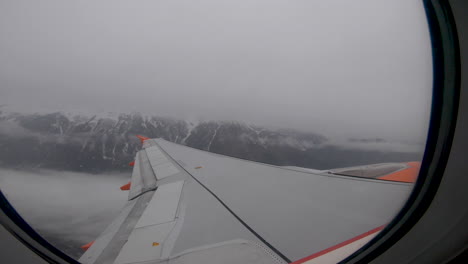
126 187
407 175
142 138
342 244
85 247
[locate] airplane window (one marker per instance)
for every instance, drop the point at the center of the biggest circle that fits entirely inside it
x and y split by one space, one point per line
265 131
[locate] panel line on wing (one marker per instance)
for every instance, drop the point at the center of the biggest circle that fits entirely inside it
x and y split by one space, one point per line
161 165
229 209
163 205
148 238
143 176
110 253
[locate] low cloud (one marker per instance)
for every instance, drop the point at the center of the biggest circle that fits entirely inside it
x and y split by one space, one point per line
378 145
67 207
12 128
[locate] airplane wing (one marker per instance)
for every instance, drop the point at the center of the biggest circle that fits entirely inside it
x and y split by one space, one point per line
191 206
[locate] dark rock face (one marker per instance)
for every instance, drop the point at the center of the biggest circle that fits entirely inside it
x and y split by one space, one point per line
95 144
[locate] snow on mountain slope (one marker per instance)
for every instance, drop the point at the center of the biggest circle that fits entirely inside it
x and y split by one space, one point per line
100 142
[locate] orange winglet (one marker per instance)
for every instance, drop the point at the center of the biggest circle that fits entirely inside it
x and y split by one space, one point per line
407 175
85 247
132 163
142 138
126 187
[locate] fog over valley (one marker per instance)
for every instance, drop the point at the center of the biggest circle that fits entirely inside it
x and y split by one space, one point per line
69 209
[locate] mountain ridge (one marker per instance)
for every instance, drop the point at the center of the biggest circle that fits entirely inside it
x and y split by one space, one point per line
97 143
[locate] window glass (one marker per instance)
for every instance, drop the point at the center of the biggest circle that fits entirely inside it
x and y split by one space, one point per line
310 115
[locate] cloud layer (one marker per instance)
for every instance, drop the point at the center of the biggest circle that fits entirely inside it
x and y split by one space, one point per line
66 206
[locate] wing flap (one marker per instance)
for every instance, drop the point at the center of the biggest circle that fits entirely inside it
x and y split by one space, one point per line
108 245
143 177
160 163
163 206
145 244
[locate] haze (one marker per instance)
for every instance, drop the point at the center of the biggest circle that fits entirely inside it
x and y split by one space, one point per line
351 67
68 208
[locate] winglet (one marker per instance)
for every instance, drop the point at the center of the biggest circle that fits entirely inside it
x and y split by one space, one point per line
85 247
409 174
125 187
142 138
132 163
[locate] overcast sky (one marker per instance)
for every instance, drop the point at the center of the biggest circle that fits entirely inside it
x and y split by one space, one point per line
353 67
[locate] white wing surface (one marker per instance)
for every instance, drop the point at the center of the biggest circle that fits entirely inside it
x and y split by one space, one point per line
191 206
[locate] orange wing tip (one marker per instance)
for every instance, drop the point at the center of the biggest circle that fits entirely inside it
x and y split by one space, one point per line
142 138
85 247
126 187
132 163
409 174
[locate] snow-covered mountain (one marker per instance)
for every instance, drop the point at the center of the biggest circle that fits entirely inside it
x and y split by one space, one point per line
96 143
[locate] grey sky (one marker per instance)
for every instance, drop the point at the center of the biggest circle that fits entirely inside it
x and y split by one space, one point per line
352 67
